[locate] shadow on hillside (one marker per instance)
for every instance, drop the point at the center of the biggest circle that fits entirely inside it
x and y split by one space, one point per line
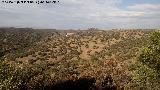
84 84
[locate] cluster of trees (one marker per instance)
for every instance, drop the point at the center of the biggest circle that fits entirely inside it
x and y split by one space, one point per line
34 78
69 69
13 40
146 71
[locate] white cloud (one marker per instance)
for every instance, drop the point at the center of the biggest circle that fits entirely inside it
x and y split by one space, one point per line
145 7
75 14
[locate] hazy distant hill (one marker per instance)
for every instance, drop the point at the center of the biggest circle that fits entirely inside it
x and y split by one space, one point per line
15 39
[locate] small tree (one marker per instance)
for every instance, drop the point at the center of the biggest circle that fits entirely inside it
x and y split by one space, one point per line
147 70
150 55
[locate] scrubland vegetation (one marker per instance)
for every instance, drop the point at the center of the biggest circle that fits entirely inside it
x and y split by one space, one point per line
79 60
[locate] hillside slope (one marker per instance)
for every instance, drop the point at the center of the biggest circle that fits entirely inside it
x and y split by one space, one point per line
67 55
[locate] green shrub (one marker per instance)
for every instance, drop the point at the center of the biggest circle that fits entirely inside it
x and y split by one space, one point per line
145 77
9 77
147 69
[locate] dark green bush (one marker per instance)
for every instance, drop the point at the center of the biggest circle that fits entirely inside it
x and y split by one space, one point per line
147 70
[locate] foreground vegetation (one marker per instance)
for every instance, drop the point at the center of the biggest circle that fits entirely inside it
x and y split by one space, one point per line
90 59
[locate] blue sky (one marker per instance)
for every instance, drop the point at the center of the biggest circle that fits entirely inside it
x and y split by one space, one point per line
83 14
